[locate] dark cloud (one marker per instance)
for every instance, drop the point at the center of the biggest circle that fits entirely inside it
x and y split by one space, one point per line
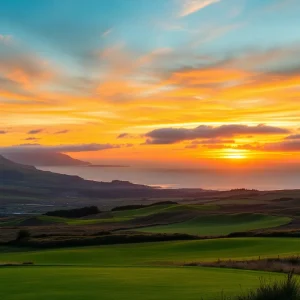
59 148
293 146
210 143
191 146
61 131
123 135
32 139
293 137
3 132
282 146
175 135
35 131
213 141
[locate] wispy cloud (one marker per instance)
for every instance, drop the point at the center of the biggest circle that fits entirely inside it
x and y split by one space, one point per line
72 148
6 39
62 131
192 6
107 32
32 139
35 131
292 145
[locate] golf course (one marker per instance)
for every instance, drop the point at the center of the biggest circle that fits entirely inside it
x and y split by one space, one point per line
157 250
131 271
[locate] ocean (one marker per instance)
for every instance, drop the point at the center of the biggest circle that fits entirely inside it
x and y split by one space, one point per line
261 179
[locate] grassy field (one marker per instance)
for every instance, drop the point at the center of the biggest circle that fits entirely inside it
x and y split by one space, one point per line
77 283
162 209
220 224
145 270
133 271
116 216
149 254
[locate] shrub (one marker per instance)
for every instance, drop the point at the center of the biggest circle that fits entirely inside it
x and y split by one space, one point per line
23 235
75 213
287 289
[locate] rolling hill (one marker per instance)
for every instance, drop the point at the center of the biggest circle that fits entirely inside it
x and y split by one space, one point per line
42 158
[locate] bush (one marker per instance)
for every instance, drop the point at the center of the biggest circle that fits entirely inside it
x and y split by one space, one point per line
288 289
75 213
23 235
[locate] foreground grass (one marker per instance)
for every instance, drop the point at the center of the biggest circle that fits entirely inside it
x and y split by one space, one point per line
287 289
179 252
77 283
220 224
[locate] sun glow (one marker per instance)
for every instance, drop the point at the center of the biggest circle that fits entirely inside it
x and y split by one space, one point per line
234 154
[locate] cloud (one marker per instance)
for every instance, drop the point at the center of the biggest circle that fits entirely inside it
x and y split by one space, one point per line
24 67
123 135
32 139
175 135
62 131
283 146
107 32
35 131
192 6
3 132
293 137
292 146
59 148
214 143
6 39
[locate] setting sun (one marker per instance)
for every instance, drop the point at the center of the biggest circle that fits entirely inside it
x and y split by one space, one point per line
234 154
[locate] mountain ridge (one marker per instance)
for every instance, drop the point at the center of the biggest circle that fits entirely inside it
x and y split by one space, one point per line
12 173
43 158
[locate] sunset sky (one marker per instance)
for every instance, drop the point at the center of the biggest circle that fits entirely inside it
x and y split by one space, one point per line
174 82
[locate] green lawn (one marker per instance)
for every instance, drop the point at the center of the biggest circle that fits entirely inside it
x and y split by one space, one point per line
220 224
81 221
134 271
126 215
78 283
155 209
146 254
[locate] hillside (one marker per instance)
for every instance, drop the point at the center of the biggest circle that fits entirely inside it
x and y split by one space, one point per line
42 158
16 174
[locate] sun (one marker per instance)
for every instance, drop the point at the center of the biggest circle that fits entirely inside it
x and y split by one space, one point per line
235 154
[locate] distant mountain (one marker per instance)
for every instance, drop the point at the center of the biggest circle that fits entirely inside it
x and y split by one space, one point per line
24 188
15 174
42 158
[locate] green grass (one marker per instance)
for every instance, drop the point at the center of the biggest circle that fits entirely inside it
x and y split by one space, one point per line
12 222
155 209
80 221
77 283
149 254
133 271
126 215
215 225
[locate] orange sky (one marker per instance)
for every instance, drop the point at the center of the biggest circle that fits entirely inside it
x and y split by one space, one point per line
143 105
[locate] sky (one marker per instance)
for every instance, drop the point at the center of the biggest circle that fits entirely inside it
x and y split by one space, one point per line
170 82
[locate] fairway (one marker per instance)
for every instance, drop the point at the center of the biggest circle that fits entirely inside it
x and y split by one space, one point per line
134 271
149 254
77 283
217 225
127 215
